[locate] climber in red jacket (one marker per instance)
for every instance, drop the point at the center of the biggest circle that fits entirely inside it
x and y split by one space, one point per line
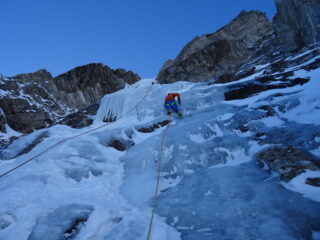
171 104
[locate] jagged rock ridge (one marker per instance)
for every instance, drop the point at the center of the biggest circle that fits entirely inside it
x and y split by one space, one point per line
84 85
27 103
297 23
218 54
37 100
249 40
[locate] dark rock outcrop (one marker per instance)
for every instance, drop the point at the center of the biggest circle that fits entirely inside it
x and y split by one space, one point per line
81 118
250 40
218 55
31 145
120 143
269 110
85 85
37 100
2 122
248 89
23 117
39 76
274 75
289 161
153 127
313 182
26 102
297 23
117 144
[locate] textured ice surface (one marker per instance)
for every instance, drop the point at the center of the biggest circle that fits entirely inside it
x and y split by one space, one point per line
63 223
206 198
72 191
23 145
298 185
240 205
210 187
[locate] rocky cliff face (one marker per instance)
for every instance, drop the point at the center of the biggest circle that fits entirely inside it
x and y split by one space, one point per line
84 85
37 100
249 40
27 103
288 161
219 54
2 122
297 23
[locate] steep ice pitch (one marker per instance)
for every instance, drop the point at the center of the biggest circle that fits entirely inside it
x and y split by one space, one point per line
204 140
210 186
72 191
142 101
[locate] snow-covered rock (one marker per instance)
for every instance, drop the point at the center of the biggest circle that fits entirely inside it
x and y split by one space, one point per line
249 44
98 182
101 184
220 54
38 100
288 161
297 23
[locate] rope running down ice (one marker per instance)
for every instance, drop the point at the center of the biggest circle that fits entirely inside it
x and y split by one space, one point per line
73 137
155 198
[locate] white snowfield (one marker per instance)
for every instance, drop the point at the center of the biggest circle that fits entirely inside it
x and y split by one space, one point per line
211 187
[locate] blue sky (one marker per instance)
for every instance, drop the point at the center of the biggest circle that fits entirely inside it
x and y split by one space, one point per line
138 35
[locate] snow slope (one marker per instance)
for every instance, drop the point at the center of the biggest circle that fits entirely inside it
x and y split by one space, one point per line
211 187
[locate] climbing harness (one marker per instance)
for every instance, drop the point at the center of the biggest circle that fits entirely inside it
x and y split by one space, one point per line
76 136
155 198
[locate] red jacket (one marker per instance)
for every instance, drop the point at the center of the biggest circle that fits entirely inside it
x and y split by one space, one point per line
171 96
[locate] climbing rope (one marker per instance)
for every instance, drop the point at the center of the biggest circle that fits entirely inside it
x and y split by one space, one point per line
155 198
76 136
51 147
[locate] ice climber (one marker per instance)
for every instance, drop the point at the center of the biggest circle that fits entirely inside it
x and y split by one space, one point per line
171 104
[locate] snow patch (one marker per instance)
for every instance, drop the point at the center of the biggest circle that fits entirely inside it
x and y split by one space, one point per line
298 184
225 117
